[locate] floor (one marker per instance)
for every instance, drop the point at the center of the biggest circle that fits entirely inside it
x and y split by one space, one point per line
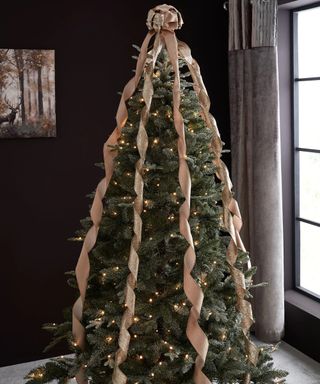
303 370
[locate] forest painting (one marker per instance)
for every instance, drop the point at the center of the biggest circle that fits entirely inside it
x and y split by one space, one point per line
27 93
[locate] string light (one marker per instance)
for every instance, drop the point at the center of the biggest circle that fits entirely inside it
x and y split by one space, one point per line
152 374
109 356
115 183
109 339
156 141
141 100
150 316
196 242
122 141
150 300
104 274
186 356
140 357
131 125
136 319
158 185
135 336
150 238
171 234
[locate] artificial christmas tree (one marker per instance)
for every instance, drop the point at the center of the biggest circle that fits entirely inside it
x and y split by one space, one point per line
163 276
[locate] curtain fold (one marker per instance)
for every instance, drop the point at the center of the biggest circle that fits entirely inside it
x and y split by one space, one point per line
255 149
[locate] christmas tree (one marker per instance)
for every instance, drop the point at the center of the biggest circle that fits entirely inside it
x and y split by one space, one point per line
163 276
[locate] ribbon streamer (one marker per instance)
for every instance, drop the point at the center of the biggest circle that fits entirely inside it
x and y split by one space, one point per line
231 214
83 264
133 263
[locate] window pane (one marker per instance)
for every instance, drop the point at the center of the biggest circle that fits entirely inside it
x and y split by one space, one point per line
310 186
309 114
308 42
309 257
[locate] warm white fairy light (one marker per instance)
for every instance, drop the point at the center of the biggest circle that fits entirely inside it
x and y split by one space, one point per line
141 100
115 183
116 268
157 293
150 300
122 141
140 357
150 316
196 242
135 336
186 356
171 347
136 319
158 184
108 339
150 238
171 234
156 141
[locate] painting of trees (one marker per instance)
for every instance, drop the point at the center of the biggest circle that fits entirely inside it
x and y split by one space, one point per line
27 93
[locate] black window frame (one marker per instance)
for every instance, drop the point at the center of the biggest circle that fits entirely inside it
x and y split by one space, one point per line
296 149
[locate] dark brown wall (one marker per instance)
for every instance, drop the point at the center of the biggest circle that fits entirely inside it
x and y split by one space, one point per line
44 181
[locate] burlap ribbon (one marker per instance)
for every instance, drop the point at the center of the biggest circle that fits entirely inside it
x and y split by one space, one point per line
162 21
83 265
231 214
142 144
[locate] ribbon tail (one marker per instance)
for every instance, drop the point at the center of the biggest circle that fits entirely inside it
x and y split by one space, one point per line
231 216
192 290
118 376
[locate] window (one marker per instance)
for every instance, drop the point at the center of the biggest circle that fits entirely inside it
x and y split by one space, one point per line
306 120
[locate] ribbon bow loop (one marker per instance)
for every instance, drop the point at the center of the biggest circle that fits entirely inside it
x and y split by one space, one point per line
164 17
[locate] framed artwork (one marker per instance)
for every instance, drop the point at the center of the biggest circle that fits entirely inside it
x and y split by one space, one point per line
27 93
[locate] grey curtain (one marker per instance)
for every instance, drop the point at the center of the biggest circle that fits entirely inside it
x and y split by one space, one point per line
255 150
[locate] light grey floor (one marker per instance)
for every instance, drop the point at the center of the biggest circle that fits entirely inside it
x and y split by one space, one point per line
303 370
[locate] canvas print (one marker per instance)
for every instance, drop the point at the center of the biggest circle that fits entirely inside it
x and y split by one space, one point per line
27 93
